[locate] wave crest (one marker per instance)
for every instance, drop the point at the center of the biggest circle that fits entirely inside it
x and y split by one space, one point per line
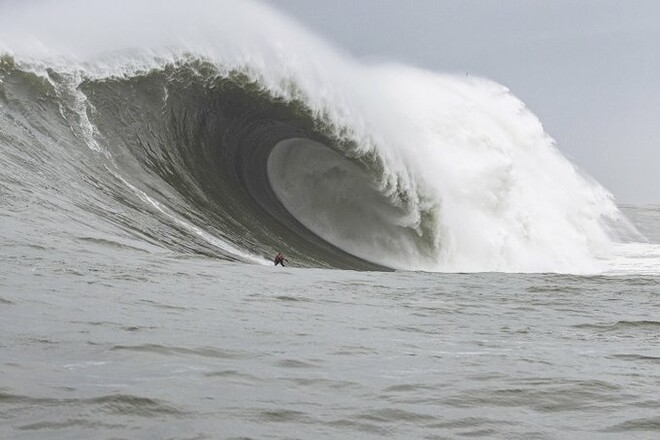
238 140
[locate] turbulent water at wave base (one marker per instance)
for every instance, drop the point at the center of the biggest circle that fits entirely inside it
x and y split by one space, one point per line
451 273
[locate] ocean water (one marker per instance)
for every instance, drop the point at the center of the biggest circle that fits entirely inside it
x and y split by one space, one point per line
451 274
101 340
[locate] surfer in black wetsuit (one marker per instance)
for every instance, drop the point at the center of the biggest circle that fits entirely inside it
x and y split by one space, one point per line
279 259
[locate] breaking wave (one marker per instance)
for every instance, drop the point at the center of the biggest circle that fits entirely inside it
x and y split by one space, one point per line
224 129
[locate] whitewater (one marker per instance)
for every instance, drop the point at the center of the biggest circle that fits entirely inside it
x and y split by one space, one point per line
451 272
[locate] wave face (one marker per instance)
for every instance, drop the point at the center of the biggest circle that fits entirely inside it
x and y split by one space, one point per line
224 129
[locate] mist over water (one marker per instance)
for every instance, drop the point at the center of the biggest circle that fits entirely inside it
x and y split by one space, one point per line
156 155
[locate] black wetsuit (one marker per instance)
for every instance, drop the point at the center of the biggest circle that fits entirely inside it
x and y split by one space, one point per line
279 259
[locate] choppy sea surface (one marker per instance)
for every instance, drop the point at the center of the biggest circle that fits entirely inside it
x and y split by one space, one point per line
101 340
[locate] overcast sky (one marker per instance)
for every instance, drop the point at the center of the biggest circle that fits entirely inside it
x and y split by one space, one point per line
589 69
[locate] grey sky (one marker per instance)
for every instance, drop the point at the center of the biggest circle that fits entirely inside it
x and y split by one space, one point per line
590 69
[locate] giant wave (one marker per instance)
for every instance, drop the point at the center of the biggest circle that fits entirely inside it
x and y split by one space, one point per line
224 129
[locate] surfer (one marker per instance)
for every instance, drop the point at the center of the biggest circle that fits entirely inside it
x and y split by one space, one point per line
279 259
